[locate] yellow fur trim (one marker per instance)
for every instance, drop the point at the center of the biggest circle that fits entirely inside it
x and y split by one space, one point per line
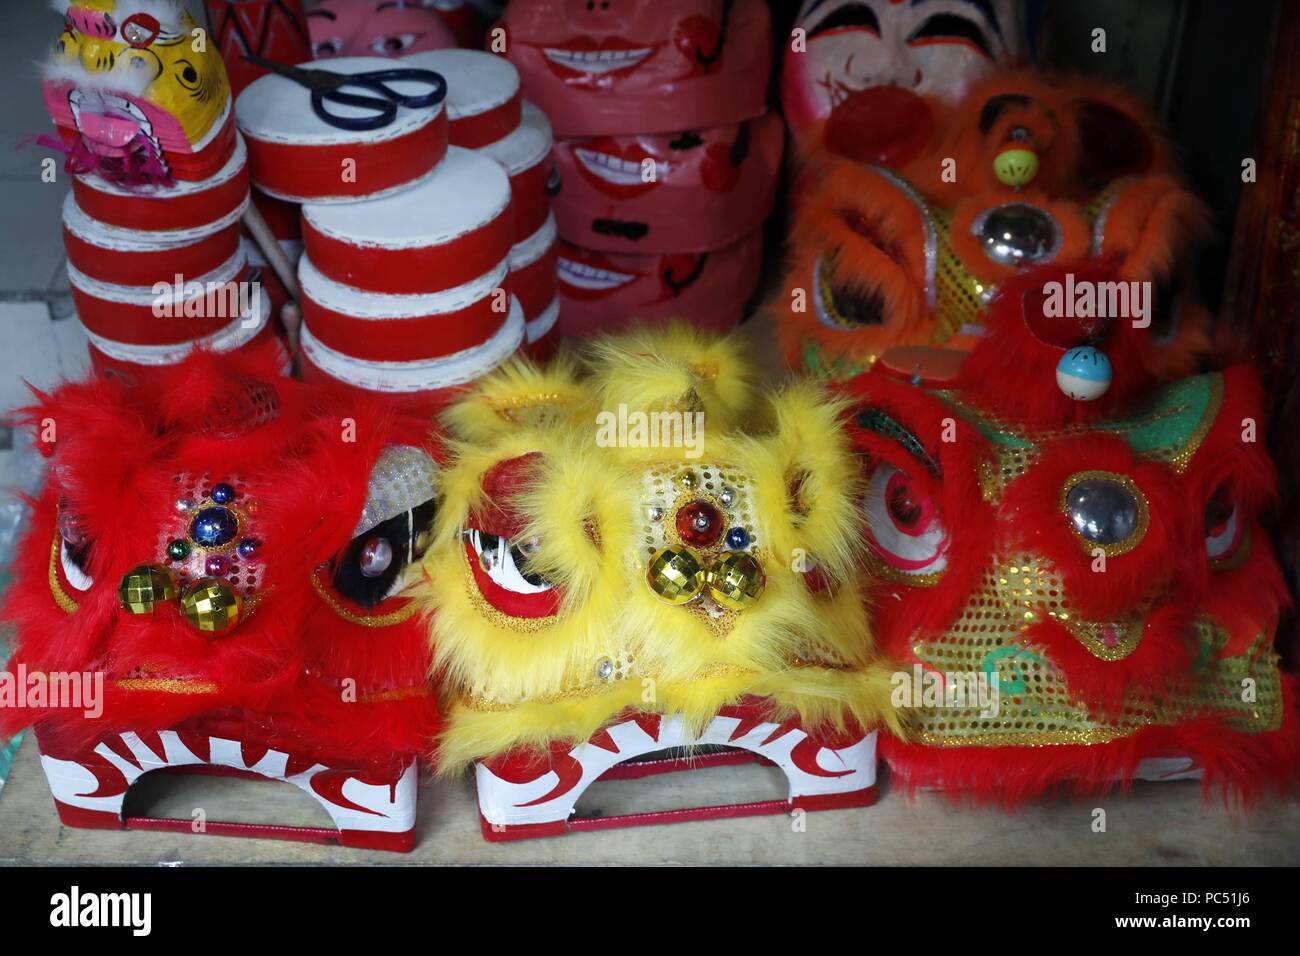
518 394
512 681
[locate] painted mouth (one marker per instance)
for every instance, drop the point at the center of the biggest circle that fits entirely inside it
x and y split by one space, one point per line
589 280
110 125
623 174
585 57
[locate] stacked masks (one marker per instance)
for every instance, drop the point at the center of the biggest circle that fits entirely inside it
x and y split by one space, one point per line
668 162
160 178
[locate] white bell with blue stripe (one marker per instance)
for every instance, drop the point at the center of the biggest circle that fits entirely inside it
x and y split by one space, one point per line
1084 373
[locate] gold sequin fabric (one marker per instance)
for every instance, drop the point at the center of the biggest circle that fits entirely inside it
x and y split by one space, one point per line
1037 707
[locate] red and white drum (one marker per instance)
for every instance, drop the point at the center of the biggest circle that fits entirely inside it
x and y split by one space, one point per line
298 156
526 156
134 362
401 328
427 377
446 231
171 312
284 219
130 257
602 291
610 70
542 334
669 192
185 204
483 101
532 270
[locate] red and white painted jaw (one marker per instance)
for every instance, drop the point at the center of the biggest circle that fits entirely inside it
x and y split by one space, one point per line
525 794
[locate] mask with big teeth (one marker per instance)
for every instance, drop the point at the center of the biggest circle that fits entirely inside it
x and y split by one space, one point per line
138 92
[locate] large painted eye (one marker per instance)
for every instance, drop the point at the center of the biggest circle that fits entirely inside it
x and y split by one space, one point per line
1222 525
501 571
904 525
850 16
951 28
327 48
392 44
374 565
74 551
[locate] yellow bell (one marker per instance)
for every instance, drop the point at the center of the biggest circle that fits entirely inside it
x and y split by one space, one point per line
675 575
736 580
1015 166
146 586
212 605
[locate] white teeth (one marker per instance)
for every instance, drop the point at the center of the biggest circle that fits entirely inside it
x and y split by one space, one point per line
597 61
76 577
582 276
614 169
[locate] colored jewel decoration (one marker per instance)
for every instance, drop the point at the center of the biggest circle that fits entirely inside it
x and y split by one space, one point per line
145 587
675 575
699 523
212 605
654 511
737 539
247 547
1103 510
183 505
727 496
213 527
178 550
216 565
686 479
1084 373
223 494
736 580
604 668
1017 234
376 556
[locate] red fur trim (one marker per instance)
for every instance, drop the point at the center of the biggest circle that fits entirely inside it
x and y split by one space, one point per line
1240 766
1013 374
902 610
303 485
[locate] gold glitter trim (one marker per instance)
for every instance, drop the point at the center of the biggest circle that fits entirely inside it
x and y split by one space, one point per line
494 616
374 620
166 685
880 569
1133 633
1184 456
1144 512
61 597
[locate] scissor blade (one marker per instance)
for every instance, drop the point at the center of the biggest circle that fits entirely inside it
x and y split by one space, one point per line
312 79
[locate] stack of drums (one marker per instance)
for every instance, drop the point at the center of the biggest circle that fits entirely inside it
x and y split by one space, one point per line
157 270
404 275
668 159
487 114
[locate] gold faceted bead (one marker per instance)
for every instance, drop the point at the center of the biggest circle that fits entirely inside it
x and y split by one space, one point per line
146 586
212 605
687 479
736 580
675 575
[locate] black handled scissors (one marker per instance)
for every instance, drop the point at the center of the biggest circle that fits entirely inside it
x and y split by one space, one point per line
327 87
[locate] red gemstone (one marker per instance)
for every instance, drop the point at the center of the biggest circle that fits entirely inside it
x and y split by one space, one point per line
699 524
